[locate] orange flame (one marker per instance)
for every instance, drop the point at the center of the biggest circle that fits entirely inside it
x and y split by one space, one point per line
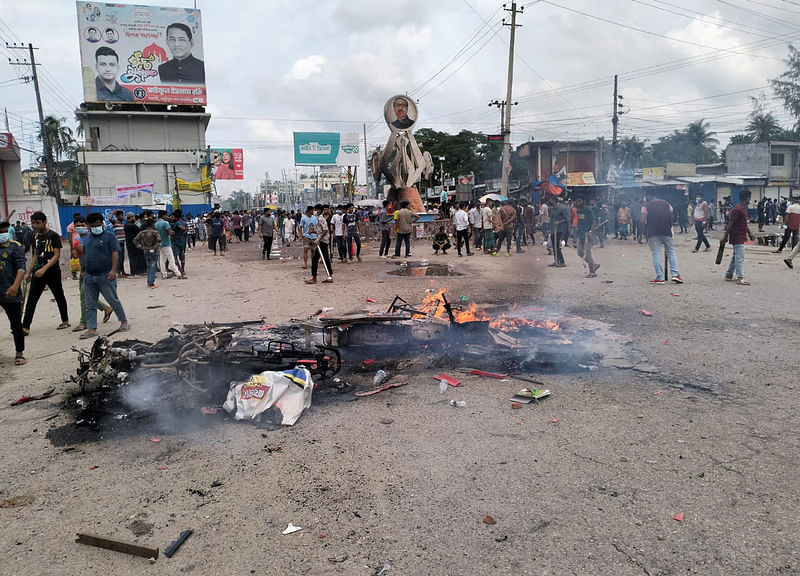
433 305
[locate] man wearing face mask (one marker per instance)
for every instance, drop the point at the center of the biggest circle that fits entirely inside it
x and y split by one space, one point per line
12 271
81 233
99 273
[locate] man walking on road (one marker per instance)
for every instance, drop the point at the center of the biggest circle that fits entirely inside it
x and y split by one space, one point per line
323 250
266 231
352 228
166 258
383 225
584 231
559 231
12 271
508 220
44 270
461 221
702 215
657 220
487 219
737 233
791 218
476 224
99 272
308 225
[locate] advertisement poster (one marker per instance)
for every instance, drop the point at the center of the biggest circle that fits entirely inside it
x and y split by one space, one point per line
326 149
227 163
147 54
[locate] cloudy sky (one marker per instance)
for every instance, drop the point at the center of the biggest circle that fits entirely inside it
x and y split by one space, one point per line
278 66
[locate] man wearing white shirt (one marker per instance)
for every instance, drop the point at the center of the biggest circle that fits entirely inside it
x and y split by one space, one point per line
461 221
338 233
476 224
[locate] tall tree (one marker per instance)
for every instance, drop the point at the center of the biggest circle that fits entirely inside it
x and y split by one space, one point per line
59 134
787 85
700 135
694 144
763 127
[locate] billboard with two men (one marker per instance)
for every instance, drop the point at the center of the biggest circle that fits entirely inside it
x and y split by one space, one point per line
147 54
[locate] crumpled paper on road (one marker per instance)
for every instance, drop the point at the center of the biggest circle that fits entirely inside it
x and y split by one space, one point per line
289 391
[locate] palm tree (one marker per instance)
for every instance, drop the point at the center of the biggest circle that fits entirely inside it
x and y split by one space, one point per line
59 135
71 172
631 152
700 135
763 127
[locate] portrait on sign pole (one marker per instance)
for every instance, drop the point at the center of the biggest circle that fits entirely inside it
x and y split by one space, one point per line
400 112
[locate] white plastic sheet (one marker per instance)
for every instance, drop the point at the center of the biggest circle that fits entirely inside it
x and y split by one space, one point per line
289 391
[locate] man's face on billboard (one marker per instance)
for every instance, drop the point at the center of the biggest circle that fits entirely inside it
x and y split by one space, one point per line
179 43
107 67
400 109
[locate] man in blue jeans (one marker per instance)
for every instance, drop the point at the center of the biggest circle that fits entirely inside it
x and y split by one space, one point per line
405 220
657 220
99 273
737 233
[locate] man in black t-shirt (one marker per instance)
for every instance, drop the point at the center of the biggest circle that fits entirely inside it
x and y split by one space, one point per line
44 270
351 230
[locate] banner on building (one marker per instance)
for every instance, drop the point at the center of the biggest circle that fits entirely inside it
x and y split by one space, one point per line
205 186
580 179
227 163
653 173
105 201
128 191
326 149
148 54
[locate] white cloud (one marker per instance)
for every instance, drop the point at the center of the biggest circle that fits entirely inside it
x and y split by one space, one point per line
304 68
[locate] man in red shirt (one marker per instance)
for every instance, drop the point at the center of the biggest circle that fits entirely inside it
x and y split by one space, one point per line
737 233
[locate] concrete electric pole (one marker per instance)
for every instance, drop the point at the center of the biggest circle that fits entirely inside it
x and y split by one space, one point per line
507 120
50 166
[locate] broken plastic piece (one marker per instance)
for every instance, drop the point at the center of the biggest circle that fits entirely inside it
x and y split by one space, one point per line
172 548
647 313
489 521
371 300
458 403
678 517
380 376
450 380
291 529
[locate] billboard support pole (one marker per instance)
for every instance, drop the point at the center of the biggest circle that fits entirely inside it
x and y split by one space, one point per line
366 163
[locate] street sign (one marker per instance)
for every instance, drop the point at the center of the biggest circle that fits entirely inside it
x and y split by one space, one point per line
494 137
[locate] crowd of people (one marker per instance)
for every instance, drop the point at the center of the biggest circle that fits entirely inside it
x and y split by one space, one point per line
158 242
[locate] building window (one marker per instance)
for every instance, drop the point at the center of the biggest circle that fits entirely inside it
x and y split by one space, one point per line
777 160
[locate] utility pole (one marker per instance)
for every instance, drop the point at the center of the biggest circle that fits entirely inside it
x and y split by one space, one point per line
52 180
618 111
507 109
614 122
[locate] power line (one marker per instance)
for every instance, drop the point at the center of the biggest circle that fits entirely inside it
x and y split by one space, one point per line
651 33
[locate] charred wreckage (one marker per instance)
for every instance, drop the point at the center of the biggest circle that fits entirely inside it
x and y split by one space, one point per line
200 363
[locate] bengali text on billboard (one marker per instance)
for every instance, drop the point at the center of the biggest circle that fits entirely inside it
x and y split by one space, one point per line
148 54
326 149
227 163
